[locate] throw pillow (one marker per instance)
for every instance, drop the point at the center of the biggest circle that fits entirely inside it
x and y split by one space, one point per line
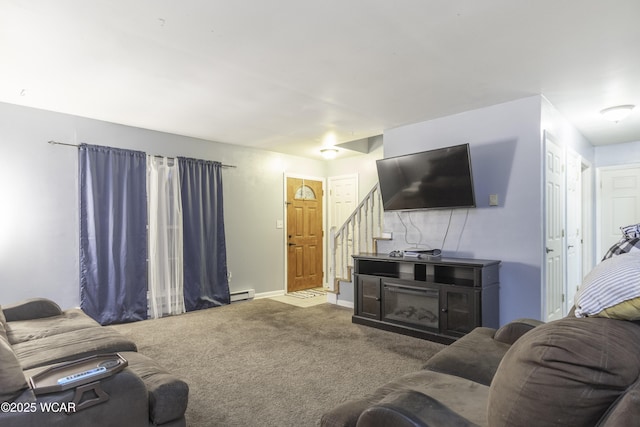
630 241
626 310
624 246
612 282
565 373
631 231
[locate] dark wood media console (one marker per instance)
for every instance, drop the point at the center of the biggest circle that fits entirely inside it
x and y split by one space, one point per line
439 299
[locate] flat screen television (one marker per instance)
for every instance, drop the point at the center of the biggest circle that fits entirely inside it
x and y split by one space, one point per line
434 179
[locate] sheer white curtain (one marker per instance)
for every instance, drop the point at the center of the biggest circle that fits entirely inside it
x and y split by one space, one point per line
166 295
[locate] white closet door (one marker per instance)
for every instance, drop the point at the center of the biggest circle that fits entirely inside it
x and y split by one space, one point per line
619 203
554 179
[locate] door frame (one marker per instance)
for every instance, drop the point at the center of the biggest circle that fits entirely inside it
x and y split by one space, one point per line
286 219
588 217
573 217
587 224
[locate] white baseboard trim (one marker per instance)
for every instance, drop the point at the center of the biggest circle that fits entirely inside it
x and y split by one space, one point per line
333 299
347 304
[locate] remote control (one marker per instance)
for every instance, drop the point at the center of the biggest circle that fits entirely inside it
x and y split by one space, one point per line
81 375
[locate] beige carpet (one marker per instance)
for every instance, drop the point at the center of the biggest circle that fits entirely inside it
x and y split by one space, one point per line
265 363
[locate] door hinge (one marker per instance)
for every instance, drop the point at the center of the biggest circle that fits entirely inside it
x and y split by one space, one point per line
562 297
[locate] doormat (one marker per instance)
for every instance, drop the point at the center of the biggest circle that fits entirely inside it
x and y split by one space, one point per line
307 293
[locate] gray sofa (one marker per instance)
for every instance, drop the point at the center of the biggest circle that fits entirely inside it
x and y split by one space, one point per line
36 335
570 372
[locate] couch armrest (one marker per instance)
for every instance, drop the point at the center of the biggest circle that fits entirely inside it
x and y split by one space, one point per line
34 308
168 395
411 409
625 411
127 405
510 332
476 356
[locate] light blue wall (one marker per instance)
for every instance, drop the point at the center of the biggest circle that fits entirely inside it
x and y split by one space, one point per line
618 154
39 219
506 150
505 153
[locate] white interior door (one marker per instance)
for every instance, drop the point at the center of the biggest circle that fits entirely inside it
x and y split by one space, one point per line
619 203
554 179
343 198
574 227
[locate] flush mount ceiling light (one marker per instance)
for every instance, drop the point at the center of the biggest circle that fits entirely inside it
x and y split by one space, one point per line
617 113
329 153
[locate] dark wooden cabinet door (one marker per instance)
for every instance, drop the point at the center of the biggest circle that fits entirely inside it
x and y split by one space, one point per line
369 300
459 310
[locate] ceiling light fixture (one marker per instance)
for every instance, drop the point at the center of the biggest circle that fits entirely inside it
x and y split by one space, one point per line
617 113
329 153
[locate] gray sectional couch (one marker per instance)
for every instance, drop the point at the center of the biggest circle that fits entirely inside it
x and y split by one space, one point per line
36 335
570 372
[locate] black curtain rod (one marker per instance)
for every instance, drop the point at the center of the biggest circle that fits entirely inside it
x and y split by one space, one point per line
76 145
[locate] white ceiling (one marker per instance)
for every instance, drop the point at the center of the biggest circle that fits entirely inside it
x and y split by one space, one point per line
282 75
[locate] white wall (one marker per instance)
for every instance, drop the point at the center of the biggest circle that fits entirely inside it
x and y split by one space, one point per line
617 154
564 132
364 165
39 218
506 151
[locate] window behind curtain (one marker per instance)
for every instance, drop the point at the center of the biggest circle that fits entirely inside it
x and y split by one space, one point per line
166 294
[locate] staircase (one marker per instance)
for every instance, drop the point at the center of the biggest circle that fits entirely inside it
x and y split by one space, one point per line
358 234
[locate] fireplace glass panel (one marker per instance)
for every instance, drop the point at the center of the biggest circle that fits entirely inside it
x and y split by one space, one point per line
416 307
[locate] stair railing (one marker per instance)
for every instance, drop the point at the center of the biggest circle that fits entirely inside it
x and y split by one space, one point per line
356 235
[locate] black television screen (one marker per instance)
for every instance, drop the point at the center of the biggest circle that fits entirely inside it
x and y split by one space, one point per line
434 179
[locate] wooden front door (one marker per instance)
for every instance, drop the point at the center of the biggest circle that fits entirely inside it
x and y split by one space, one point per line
304 234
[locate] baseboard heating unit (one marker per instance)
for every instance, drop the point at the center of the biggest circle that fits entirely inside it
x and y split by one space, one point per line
242 295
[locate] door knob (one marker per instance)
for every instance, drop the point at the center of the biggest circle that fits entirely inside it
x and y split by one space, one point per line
549 250
292 244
